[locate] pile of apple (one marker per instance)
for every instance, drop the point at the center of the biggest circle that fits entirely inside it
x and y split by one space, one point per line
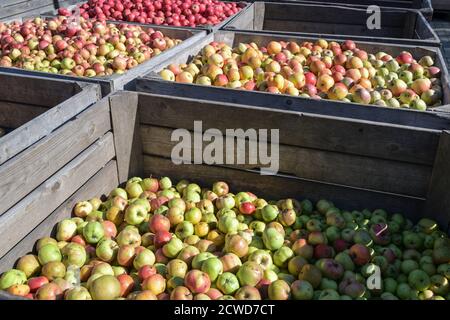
184 13
323 69
155 240
90 48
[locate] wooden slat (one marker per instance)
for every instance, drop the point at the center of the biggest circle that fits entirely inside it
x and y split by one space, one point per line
13 115
278 187
25 215
362 138
332 167
35 91
100 184
23 173
125 122
438 200
41 126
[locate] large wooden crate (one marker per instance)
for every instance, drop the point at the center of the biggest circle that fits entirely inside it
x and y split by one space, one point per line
115 82
13 9
246 6
439 118
423 5
400 26
356 164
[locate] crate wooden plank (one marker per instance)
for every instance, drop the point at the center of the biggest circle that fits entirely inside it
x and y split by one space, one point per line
36 91
282 186
56 149
99 184
439 119
364 138
13 115
438 200
333 167
125 122
18 221
333 20
43 125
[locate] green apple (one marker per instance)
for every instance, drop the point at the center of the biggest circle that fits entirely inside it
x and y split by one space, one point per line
404 291
198 259
65 230
93 232
302 290
269 212
329 294
250 273
135 214
172 248
107 250
273 240
184 229
345 260
328 284
228 224
165 183
419 280
118 192
390 285
12 277
282 256
48 253
228 283
74 254
77 293
213 267
143 258
408 266
261 257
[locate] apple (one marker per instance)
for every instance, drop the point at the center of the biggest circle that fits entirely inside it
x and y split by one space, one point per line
107 250
213 267
29 264
228 283
279 290
172 248
106 287
302 290
48 253
49 291
12 277
155 283
77 293
74 254
181 293
236 244
247 293
250 273
135 214
144 257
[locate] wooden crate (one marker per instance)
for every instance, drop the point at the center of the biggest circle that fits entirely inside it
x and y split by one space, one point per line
439 118
423 5
356 164
14 9
441 5
400 26
53 12
123 81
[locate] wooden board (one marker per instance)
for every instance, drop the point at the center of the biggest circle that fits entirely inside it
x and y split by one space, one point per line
125 122
101 183
333 167
18 221
384 141
438 119
281 186
13 115
37 163
438 200
41 126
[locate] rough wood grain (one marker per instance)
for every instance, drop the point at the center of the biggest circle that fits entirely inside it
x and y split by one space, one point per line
332 167
438 200
43 125
36 91
282 186
18 221
364 138
23 173
13 115
125 122
101 183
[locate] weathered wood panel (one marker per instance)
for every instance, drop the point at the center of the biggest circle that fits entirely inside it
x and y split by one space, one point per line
23 173
43 125
13 115
125 122
101 183
332 167
18 221
438 200
362 138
